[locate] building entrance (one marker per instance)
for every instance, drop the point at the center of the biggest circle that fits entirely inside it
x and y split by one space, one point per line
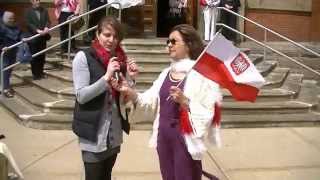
169 15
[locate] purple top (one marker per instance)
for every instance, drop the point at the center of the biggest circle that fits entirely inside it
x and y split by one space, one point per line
169 110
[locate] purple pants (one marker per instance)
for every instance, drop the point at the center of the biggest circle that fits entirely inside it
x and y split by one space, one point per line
175 161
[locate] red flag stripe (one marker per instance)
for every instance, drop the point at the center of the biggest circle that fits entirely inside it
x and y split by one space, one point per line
185 124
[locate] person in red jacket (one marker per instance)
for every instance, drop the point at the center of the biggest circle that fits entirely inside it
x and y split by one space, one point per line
63 10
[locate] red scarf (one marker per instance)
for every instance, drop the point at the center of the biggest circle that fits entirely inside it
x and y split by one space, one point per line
104 56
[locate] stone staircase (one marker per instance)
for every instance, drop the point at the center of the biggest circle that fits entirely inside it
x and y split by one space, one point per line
287 98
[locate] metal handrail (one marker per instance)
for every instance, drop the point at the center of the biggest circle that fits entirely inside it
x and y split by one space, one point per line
270 48
271 31
5 49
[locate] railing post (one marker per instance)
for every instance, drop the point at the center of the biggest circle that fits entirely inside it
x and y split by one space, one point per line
215 16
120 10
69 42
2 72
264 48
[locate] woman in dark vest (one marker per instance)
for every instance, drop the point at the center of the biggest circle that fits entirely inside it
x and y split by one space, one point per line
97 118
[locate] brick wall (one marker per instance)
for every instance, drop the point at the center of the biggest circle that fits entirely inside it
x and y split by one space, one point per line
294 25
315 25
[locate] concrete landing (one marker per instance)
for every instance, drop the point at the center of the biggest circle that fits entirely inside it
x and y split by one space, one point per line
257 154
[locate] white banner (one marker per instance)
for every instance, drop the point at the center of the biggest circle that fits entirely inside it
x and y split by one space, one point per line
127 3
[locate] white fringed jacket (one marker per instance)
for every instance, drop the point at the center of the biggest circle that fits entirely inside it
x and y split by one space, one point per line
203 95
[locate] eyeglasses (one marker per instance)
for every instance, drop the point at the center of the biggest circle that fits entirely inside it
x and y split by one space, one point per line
172 41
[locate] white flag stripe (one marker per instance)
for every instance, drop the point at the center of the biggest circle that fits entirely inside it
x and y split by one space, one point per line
222 48
225 51
250 76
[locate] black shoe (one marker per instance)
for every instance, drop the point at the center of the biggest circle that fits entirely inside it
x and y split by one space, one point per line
36 78
7 93
43 76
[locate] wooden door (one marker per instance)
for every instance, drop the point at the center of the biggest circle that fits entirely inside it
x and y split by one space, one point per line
150 17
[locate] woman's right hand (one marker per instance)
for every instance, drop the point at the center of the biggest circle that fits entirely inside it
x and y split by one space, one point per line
123 87
113 66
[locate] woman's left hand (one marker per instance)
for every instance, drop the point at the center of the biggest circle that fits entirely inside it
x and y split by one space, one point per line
132 68
177 95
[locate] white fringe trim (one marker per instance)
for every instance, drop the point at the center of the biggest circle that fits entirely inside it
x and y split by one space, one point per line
214 136
195 146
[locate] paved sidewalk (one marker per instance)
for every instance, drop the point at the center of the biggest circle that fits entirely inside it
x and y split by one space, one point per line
255 154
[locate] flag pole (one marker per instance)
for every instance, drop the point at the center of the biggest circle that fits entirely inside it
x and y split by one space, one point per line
204 50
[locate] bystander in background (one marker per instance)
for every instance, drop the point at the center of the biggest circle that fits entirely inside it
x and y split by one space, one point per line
9 34
38 22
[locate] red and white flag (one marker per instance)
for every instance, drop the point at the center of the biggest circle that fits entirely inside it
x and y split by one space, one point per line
225 64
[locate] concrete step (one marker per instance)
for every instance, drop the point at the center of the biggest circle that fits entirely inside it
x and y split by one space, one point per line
54 59
48 120
271 120
64 75
255 58
42 101
266 67
265 95
276 78
281 107
309 92
54 86
32 118
293 83
145 44
138 53
67 65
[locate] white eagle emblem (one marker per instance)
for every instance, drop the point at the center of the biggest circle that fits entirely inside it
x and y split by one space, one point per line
239 64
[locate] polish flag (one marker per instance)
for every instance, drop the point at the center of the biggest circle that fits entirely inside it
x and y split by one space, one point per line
223 63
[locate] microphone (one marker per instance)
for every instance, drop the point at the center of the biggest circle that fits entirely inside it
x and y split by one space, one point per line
116 74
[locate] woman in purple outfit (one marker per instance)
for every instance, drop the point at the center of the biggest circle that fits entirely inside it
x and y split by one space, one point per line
182 121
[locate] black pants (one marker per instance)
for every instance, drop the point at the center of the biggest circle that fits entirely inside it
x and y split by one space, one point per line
94 19
230 20
37 63
64 31
101 170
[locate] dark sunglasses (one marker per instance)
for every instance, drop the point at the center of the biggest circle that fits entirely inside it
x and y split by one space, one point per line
172 41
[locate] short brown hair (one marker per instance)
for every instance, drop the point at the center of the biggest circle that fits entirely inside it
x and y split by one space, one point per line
114 23
192 39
